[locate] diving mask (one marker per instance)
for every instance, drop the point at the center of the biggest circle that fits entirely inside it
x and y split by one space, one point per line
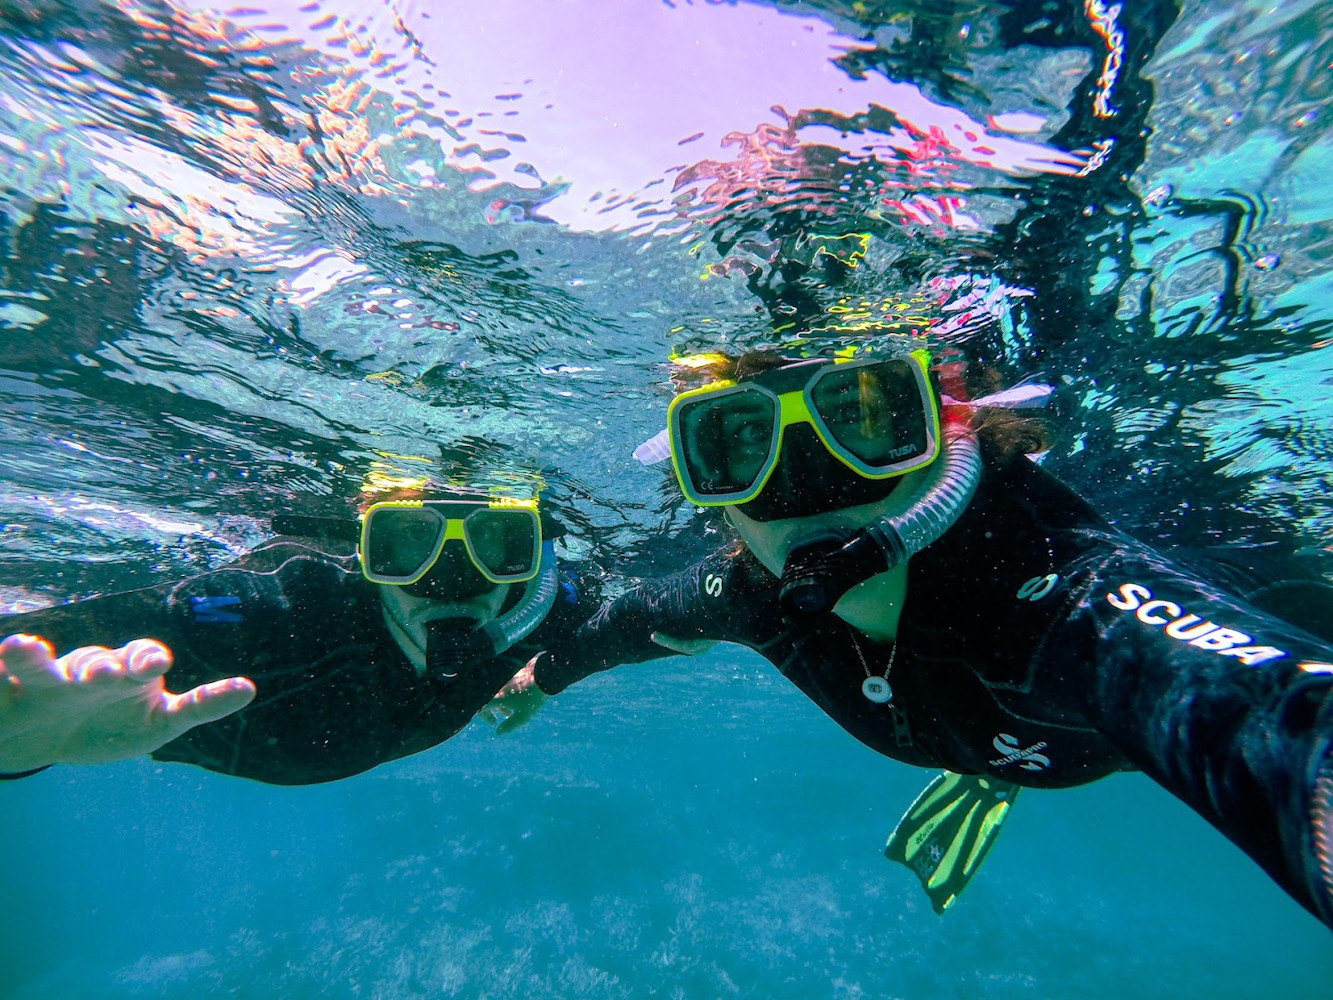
402 541
857 425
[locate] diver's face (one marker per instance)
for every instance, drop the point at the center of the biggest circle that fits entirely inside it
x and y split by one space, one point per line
441 637
453 577
452 588
808 481
428 604
771 540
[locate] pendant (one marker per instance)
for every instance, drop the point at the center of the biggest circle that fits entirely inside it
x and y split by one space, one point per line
877 690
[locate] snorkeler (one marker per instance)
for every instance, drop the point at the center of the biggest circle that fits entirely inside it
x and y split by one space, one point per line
952 605
359 644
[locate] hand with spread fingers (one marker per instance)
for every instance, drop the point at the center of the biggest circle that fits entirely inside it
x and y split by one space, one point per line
96 705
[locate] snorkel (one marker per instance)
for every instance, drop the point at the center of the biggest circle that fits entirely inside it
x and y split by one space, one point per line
455 641
535 604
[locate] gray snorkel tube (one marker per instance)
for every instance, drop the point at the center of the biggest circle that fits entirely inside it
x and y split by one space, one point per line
532 608
818 572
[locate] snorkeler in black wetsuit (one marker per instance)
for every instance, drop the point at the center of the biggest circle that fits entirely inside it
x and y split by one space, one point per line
358 657
987 621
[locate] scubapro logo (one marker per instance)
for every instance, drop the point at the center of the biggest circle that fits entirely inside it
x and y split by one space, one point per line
1028 758
1180 625
1038 587
927 860
713 585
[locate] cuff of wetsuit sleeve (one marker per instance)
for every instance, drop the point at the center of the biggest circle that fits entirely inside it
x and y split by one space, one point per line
1321 822
548 673
24 774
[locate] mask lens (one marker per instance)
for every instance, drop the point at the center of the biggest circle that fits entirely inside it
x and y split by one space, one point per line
874 412
726 440
452 577
400 541
504 542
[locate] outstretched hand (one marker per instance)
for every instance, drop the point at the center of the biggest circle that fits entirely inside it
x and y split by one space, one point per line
96 705
517 702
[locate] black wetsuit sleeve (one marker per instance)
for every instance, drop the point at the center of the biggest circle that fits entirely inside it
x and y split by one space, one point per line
684 605
1227 707
107 621
335 694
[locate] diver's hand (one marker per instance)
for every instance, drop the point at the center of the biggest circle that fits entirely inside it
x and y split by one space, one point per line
96 705
688 647
517 702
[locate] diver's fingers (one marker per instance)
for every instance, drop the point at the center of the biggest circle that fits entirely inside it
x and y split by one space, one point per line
521 710
207 703
690 647
30 660
89 664
146 658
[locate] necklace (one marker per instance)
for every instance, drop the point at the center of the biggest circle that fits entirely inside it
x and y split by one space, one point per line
875 688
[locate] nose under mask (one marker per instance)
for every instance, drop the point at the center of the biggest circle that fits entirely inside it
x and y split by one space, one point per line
809 480
452 578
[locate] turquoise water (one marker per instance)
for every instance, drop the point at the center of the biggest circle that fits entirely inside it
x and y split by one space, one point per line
647 835
254 256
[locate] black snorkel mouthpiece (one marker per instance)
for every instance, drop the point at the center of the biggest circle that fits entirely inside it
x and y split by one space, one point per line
819 571
452 644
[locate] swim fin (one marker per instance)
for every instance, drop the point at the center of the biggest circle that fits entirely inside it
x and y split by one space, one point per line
947 831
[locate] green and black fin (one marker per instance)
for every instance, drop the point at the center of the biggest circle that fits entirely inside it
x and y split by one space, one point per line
947 831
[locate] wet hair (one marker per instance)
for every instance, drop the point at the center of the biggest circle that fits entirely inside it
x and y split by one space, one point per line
1004 434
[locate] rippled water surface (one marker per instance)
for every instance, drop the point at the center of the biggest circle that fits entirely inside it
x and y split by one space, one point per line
256 255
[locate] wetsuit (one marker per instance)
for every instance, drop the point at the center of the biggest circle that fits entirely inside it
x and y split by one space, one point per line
335 693
1039 645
